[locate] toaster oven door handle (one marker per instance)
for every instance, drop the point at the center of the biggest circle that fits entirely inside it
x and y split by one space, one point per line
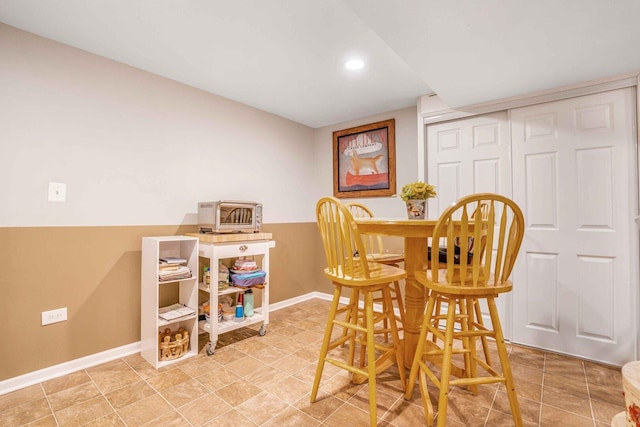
243 248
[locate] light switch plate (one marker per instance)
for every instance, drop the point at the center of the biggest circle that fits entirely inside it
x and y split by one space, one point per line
57 192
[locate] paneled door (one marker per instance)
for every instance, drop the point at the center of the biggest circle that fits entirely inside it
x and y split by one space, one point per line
468 156
574 178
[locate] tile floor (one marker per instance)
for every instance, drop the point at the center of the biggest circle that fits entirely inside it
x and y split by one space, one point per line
266 381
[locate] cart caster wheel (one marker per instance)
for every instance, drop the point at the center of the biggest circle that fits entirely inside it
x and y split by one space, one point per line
210 350
262 331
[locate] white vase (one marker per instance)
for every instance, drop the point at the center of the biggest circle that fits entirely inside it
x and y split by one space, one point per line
416 209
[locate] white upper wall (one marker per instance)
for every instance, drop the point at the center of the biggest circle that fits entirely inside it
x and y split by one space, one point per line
137 149
134 148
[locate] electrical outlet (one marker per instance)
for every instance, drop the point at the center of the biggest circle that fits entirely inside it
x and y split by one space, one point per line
54 316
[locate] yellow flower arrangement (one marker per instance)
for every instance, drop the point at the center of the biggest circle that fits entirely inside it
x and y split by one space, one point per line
418 191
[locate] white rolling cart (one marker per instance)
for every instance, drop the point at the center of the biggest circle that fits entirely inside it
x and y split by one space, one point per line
217 247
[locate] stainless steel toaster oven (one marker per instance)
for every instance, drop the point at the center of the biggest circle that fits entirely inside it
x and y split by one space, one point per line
230 216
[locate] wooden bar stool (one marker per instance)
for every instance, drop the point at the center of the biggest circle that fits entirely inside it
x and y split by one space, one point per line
475 249
461 283
341 240
376 253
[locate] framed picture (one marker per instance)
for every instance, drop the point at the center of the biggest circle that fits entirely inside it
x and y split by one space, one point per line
364 160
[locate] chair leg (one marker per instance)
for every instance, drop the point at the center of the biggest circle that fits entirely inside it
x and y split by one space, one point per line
361 329
371 356
504 361
352 317
396 295
467 308
395 288
426 399
385 321
386 294
352 298
485 342
325 341
415 365
469 342
436 317
443 398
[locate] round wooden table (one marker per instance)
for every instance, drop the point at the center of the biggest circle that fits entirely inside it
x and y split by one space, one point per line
416 234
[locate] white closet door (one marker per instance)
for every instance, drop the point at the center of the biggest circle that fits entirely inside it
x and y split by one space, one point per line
468 156
573 163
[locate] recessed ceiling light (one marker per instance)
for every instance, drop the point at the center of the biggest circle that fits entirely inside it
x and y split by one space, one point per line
354 64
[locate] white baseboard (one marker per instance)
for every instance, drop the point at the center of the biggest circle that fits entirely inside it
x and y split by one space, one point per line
297 300
65 368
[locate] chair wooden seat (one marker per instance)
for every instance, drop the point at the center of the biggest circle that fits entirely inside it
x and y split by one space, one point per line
461 284
355 276
341 240
490 287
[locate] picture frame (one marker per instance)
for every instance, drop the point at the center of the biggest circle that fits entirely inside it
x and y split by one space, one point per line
364 160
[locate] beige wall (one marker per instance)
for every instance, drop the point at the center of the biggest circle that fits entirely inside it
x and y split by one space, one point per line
137 153
95 273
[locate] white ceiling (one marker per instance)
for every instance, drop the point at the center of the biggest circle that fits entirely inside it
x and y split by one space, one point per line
286 56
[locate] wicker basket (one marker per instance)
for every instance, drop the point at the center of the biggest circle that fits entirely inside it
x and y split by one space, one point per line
173 345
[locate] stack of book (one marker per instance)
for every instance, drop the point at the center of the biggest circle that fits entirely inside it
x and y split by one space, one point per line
172 268
175 311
